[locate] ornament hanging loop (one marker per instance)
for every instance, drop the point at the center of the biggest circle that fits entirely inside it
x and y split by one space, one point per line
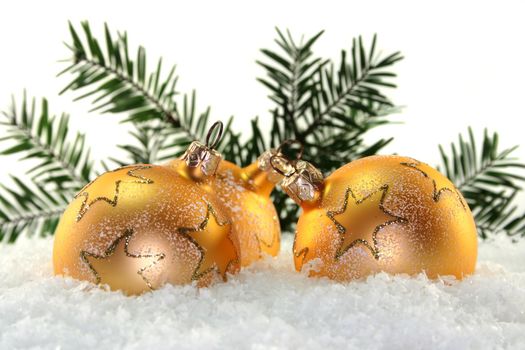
277 166
218 134
278 158
202 160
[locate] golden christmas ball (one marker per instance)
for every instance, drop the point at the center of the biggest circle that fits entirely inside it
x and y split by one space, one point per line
381 213
141 226
245 195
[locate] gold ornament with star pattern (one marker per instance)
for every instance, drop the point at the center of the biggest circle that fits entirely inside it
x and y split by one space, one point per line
211 245
139 227
245 195
381 213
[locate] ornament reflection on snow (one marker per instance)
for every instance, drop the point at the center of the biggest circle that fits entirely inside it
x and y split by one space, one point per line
141 226
381 213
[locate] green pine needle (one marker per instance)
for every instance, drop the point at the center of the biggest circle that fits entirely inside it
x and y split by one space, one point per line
327 107
61 166
116 83
29 208
63 161
489 180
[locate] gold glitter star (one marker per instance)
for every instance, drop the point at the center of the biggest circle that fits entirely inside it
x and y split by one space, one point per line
359 220
212 239
439 186
114 268
113 198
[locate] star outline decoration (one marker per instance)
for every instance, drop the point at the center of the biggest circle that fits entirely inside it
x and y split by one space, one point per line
342 230
262 242
128 233
300 254
187 231
86 204
436 194
275 238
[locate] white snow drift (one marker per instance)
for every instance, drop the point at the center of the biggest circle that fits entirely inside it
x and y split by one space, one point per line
266 306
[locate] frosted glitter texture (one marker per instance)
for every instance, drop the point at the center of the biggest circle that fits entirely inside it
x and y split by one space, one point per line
141 226
385 213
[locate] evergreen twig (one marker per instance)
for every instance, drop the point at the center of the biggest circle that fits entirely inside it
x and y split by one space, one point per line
38 135
489 180
327 108
118 84
29 208
62 168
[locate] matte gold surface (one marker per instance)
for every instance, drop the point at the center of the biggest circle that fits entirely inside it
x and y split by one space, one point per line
245 195
130 228
386 213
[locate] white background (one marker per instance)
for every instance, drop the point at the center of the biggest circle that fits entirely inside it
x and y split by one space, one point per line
464 61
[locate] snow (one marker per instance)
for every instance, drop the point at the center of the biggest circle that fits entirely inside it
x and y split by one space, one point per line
266 306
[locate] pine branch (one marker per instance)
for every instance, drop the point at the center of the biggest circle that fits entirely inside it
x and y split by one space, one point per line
348 103
117 84
157 141
328 108
489 182
317 103
42 137
499 216
62 168
354 86
173 141
312 90
30 209
146 146
332 147
484 175
291 77
246 152
232 149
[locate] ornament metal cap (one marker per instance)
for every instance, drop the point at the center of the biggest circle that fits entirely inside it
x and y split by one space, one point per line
203 159
302 181
304 185
277 169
